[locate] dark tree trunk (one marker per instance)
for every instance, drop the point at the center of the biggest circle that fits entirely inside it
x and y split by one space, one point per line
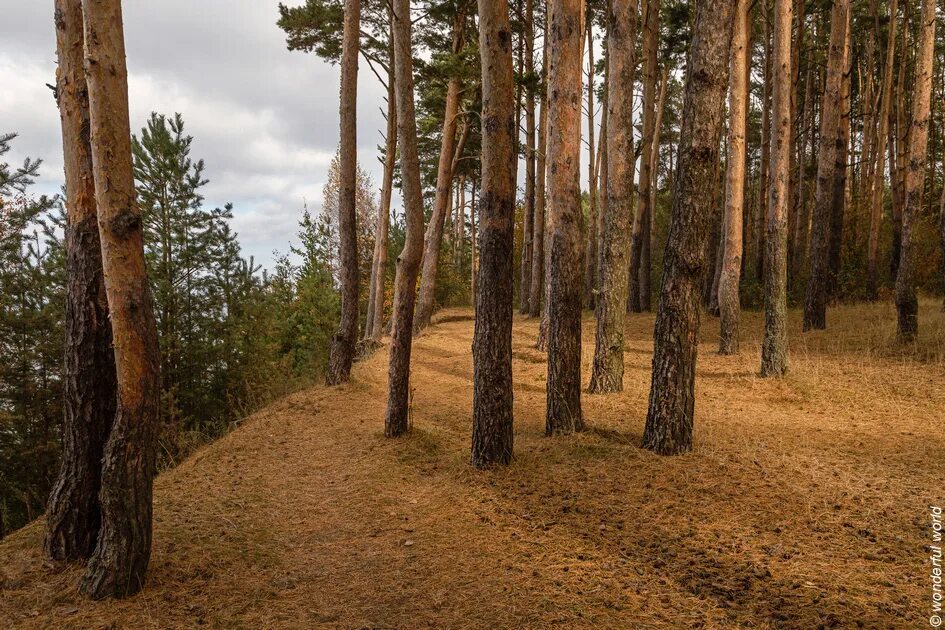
492 341
528 236
590 258
564 201
120 560
821 274
345 338
668 428
765 151
396 421
73 517
537 284
607 372
838 206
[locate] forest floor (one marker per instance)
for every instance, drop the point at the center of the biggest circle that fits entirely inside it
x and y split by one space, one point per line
804 504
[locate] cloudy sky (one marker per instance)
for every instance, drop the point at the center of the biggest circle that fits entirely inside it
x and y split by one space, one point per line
265 120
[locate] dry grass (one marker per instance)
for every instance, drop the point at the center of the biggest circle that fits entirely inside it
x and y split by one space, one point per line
803 505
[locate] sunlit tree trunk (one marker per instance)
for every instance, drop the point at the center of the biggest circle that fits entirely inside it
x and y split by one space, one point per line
408 263
345 338
730 276
907 304
668 429
120 560
607 371
492 339
566 31
73 517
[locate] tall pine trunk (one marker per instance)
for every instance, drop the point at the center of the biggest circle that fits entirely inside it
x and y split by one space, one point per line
492 339
396 421
669 420
120 560
907 305
607 372
528 236
821 275
345 338
763 176
73 517
590 258
537 284
732 224
564 200
444 178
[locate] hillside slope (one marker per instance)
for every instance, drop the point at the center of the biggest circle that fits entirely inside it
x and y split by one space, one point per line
804 503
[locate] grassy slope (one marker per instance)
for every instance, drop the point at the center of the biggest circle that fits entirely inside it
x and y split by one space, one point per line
804 501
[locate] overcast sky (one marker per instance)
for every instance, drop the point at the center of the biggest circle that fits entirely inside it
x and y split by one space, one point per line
265 120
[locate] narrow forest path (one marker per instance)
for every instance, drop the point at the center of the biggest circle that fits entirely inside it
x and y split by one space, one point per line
803 505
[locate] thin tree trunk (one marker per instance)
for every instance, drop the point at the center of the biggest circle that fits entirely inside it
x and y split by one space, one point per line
607 372
590 259
763 177
433 238
730 277
120 560
345 338
492 340
473 270
564 199
396 421
878 185
821 275
528 237
774 351
641 220
73 517
668 429
907 304
537 284
840 187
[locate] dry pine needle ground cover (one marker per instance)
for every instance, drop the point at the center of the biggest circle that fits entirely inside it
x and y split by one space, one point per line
803 505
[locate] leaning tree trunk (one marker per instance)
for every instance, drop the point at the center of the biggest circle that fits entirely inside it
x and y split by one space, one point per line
396 421
640 235
821 276
611 307
564 201
537 284
73 517
590 259
492 340
528 235
375 325
345 338
774 350
668 428
444 178
907 305
120 561
730 277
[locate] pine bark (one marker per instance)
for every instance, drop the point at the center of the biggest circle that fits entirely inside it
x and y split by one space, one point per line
831 139
907 305
120 560
566 32
492 339
840 188
528 236
396 420
590 259
639 276
607 371
345 338
668 429
537 284
763 176
73 517
730 276
433 238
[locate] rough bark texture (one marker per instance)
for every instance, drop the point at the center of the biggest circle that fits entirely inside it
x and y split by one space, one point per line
907 305
375 324
120 560
396 421
607 372
564 203
492 339
528 235
74 516
444 178
731 268
668 428
590 258
839 204
774 349
345 338
537 284
641 220
821 275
